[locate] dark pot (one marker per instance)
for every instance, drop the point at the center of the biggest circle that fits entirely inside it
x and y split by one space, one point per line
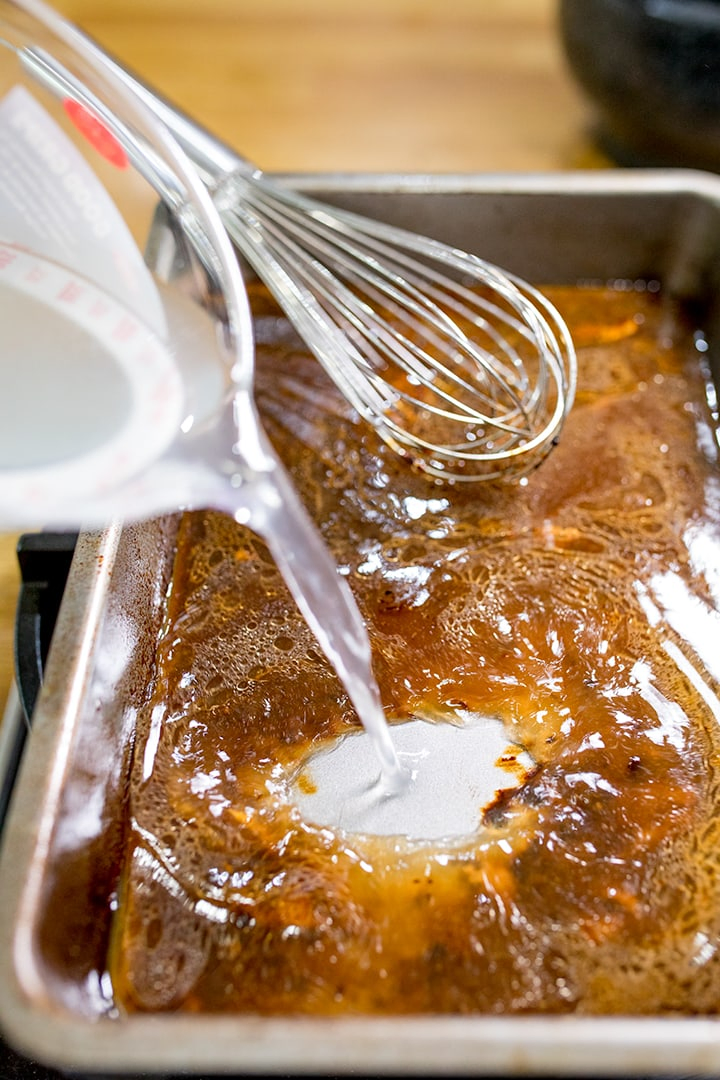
652 69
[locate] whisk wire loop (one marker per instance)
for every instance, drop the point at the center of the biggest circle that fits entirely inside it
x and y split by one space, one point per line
383 346
461 367
307 315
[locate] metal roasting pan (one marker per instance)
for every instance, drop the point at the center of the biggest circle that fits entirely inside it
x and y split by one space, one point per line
550 229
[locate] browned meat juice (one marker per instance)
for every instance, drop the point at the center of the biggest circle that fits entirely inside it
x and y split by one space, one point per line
581 607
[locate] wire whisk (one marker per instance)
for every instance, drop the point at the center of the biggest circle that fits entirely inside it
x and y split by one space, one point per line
466 371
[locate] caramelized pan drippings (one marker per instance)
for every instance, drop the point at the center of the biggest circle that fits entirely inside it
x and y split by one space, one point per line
581 607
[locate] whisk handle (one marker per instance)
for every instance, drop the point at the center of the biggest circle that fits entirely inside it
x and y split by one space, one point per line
213 158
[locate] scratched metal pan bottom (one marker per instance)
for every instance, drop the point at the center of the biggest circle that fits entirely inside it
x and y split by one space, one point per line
68 804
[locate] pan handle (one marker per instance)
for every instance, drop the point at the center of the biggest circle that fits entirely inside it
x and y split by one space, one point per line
44 560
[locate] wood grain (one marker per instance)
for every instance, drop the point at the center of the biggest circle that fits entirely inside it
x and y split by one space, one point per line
382 85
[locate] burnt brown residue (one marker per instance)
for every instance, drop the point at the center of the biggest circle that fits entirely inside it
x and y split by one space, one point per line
389 603
510 761
504 799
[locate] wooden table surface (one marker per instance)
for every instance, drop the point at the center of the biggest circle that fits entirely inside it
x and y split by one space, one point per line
368 86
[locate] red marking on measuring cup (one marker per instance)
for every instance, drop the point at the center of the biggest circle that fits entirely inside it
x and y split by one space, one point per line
71 292
99 137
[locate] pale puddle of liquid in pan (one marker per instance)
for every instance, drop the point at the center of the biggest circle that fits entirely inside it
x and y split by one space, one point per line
456 771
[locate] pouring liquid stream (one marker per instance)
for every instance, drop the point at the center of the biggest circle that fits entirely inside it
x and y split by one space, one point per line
267 503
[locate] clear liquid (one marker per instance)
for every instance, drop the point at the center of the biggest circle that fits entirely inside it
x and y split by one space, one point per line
267 503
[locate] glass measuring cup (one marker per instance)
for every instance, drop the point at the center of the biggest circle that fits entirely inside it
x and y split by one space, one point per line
126 325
